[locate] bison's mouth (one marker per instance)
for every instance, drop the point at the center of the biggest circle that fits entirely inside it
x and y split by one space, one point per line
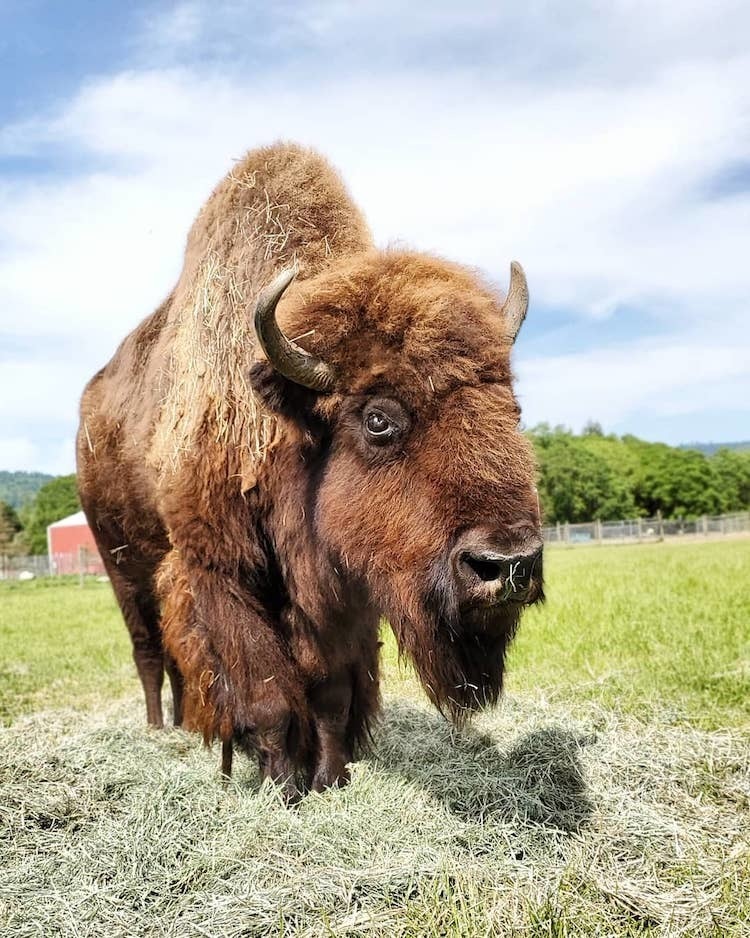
489 604
504 596
459 648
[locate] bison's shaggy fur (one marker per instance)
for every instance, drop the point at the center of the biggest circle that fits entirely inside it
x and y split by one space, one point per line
252 534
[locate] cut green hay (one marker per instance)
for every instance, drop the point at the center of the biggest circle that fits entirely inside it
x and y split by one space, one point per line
534 821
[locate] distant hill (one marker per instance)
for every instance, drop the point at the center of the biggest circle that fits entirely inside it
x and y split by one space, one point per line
710 448
18 488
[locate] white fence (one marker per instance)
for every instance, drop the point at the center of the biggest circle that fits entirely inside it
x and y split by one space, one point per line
640 530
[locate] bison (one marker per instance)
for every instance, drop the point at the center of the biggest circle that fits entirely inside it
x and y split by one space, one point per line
308 434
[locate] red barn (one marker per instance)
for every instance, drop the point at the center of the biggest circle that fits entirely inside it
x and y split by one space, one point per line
71 546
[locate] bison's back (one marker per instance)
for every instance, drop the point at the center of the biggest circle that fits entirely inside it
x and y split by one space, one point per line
171 422
278 204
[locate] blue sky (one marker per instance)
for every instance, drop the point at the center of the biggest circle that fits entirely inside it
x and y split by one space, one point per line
605 146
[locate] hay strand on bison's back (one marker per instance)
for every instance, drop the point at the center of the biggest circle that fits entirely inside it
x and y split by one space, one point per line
243 235
533 821
212 347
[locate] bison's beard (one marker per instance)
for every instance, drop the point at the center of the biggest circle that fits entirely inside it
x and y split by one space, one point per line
459 655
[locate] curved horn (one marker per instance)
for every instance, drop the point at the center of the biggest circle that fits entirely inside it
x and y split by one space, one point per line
286 357
517 301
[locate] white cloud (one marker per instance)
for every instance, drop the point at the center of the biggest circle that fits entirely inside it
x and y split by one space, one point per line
591 173
178 27
661 378
20 453
40 391
591 189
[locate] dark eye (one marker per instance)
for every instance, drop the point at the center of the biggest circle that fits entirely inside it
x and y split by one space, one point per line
379 427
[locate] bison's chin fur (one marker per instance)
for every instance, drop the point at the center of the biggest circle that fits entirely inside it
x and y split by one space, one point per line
460 666
459 654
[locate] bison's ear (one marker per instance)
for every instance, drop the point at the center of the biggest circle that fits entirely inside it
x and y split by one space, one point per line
281 396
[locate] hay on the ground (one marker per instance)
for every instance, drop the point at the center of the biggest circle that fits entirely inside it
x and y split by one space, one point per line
534 821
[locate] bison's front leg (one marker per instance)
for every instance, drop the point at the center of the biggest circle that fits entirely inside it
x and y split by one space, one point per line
331 703
240 681
345 703
270 733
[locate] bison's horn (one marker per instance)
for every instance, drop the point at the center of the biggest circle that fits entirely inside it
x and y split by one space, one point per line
517 301
286 356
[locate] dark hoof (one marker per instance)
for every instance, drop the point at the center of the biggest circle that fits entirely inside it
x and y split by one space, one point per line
327 778
290 794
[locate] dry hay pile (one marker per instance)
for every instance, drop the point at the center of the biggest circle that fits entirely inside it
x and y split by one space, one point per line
533 822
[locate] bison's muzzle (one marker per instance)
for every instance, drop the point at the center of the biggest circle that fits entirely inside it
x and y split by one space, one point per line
486 576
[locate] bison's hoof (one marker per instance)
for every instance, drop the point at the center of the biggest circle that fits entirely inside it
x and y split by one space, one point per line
326 777
287 788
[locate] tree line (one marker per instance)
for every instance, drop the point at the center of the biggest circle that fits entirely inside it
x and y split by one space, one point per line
24 530
582 477
590 476
19 488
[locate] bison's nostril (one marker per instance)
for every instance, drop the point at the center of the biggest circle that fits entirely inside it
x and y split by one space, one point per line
485 568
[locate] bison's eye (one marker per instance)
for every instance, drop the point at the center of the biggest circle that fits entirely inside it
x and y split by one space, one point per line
382 422
379 427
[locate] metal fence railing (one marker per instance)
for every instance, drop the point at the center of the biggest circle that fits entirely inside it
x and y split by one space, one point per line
630 531
83 562
12 567
640 530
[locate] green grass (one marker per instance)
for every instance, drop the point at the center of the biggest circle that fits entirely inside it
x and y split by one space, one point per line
640 629
644 629
652 630
60 645
608 795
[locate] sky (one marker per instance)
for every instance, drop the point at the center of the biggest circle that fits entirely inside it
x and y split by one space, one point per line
604 146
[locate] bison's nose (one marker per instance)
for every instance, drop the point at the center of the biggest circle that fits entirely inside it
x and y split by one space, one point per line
485 574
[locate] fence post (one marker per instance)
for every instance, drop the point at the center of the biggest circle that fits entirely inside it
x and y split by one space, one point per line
705 525
598 530
559 534
661 524
640 530
567 532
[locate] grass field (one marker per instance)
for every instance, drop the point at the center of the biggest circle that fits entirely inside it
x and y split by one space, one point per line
608 795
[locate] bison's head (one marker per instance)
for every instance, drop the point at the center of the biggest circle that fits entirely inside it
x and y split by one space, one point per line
421 483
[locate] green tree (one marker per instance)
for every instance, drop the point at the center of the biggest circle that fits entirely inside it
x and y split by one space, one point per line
624 464
19 488
732 468
57 499
681 483
590 476
576 484
10 527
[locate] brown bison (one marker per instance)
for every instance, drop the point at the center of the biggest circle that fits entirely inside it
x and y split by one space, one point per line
271 464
